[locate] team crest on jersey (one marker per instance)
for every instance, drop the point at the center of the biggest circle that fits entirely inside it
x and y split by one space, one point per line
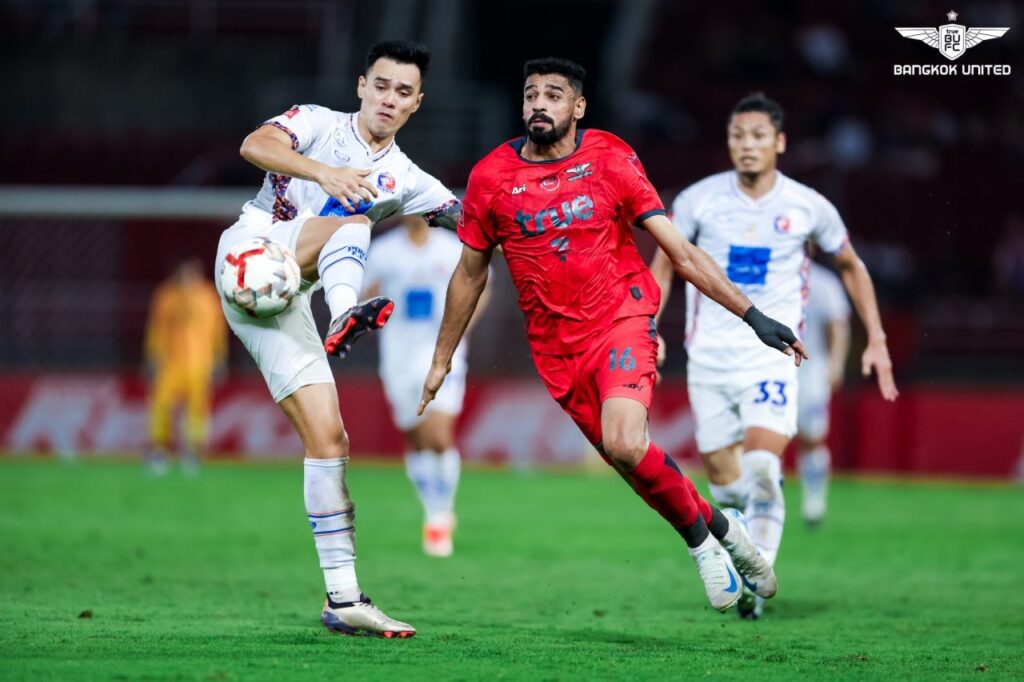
578 171
292 112
386 181
782 224
550 183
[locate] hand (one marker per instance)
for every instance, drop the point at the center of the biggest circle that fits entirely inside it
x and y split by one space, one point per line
347 185
775 334
660 358
876 357
432 385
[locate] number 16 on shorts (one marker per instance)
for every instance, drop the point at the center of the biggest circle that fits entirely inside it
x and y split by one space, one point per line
624 360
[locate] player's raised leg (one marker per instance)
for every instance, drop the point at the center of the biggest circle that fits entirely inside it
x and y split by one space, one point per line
313 411
333 250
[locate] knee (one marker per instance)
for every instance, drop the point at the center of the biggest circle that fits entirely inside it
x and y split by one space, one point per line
329 444
624 449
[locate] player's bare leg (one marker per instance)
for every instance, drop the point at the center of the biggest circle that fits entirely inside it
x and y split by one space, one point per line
333 250
433 465
313 411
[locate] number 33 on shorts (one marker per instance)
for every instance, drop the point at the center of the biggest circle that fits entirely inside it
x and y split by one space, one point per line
771 392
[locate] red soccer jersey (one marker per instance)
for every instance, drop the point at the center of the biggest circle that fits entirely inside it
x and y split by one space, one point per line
565 228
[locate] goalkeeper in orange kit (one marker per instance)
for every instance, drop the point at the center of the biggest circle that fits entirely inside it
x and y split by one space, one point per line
186 345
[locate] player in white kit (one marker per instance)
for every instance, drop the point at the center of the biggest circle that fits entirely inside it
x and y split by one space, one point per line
755 222
826 337
330 176
412 266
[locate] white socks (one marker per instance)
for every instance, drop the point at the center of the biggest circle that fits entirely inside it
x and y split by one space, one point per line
766 509
332 518
815 466
341 264
436 478
731 494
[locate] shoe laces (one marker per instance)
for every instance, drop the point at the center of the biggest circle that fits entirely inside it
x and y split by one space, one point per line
713 567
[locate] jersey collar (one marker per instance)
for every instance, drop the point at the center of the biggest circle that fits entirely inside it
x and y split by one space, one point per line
366 147
520 142
776 190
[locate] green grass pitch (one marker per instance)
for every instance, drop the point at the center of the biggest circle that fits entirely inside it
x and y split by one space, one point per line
555 576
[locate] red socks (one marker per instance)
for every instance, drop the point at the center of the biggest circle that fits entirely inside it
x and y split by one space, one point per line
659 482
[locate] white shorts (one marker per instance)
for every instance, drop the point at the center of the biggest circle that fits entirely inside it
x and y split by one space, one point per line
404 391
725 410
287 347
813 407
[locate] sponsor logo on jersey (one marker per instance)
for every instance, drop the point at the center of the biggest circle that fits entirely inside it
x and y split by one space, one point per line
782 224
559 217
518 189
952 41
386 181
550 183
578 171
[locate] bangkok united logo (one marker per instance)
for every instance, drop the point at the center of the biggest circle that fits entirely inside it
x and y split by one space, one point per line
782 224
386 182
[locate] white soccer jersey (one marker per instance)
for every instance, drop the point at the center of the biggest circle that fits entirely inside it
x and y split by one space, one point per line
416 279
760 244
332 137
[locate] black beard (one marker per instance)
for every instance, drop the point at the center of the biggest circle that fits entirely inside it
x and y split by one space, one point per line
546 138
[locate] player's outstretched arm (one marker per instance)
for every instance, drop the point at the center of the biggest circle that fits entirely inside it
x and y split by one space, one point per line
269 148
467 283
859 286
696 266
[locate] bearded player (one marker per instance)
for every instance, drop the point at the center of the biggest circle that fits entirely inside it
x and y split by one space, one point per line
562 202
755 222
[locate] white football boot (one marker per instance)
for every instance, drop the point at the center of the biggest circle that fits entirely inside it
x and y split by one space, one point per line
755 569
720 581
363 618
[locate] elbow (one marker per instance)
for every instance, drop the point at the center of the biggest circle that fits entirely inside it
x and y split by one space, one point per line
248 149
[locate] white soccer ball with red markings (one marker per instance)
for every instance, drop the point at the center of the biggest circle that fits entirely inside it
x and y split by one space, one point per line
260 277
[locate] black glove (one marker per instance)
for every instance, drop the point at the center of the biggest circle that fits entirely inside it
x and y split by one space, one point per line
771 332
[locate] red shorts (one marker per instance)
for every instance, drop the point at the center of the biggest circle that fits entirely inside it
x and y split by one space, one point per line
619 363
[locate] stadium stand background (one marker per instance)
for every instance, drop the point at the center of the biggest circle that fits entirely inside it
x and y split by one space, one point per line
160 94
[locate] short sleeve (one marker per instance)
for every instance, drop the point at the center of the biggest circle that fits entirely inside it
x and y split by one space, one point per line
639 199
304 123
425 195
684 215
829 231
476 227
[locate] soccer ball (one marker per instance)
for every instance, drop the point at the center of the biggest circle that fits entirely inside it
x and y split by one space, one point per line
259 277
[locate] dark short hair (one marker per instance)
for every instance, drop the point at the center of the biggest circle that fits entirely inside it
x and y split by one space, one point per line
401 51
563 67
758 101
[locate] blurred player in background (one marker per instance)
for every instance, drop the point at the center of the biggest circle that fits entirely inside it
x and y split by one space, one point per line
330 176
186 344
412 265
562 203
755 222
826 337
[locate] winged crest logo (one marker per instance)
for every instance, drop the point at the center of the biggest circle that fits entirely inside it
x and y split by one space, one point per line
952 40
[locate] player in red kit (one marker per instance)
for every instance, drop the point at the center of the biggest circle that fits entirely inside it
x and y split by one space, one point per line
562 203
